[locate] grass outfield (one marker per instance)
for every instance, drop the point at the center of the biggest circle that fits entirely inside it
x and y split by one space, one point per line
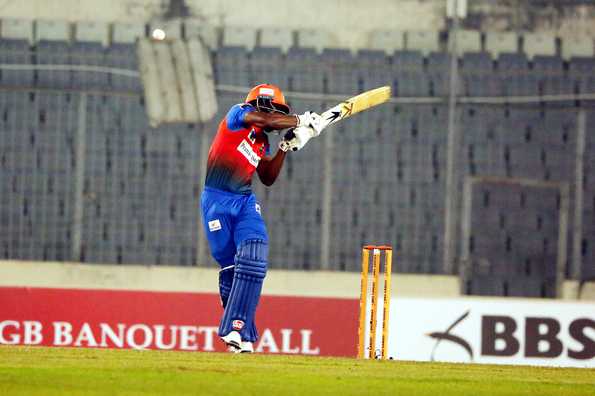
55 371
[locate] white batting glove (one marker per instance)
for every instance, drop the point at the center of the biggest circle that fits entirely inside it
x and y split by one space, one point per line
312 120
297 138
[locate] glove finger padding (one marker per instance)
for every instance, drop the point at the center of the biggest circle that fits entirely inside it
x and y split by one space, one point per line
285 144
296 139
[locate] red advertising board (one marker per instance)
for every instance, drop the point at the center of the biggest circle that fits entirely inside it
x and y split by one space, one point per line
166 320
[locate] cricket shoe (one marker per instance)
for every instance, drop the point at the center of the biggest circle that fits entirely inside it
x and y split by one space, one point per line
233 340
233 349
247 347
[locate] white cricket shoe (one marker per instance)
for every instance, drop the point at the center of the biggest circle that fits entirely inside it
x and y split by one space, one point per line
233 349
247 347
233 340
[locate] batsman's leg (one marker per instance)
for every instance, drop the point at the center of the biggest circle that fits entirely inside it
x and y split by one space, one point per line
250 271
218 224
225 283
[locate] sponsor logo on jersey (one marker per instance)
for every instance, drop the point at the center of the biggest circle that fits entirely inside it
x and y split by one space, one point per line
214 225
247 151
257 207
237 324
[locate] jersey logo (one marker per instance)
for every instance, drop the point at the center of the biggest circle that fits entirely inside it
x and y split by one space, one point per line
247 151
214 225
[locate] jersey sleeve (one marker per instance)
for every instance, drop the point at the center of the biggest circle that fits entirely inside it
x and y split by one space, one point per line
236 115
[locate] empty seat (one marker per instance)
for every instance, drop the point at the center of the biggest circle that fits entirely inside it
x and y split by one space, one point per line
15 52
552 77
267 64
232 66
340 71
306 73
89 54
374 69
515 76
438 73
539 44
409 77
501 42
478 75
53 59
581 72
123 56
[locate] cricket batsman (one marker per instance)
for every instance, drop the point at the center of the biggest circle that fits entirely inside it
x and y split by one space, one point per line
231 214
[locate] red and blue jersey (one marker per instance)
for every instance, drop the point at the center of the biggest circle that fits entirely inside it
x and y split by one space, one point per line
235 152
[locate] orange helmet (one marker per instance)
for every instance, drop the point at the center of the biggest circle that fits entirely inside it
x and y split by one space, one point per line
267 97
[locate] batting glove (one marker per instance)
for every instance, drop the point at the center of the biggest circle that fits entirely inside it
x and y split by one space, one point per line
312 120
296 139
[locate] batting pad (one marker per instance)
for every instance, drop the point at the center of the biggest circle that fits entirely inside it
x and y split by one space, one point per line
249 274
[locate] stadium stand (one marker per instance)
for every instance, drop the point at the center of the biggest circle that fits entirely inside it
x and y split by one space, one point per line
424 41
92 32
207 33
141 186
466 41
240 37
539 44
272 37
388 41
498 42
575 46
317 39
17 29
127 33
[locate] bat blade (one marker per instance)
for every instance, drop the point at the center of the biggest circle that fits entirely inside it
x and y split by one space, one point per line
355 105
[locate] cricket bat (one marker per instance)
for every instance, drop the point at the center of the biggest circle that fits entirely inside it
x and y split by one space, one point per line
355 105
349 107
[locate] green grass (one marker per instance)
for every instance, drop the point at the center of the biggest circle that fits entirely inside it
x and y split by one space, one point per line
55 371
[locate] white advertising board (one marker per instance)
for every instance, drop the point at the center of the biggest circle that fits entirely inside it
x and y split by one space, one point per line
500 331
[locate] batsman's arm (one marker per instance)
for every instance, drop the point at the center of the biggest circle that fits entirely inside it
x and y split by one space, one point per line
269 168
273 121
270 121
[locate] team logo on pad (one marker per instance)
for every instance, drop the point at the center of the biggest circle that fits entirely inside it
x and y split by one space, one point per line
237 324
